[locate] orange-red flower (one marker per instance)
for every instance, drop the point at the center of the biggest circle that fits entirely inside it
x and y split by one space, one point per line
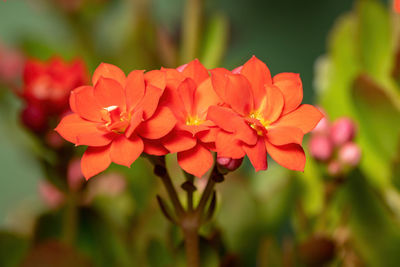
396 6
261 114
116 117
189 94
48 84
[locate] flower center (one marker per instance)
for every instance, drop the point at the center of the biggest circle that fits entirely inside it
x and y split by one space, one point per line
193 120
258 123
116 120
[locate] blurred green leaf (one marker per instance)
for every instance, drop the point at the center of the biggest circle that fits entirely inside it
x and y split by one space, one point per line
379 121
215 41
375 234
12 249
158 254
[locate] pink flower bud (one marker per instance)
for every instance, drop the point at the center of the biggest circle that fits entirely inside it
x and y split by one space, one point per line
229 164
74 175
323 125
181 67
11 64
320 147
34 118
237 70
334 168
350 154
342 131
50 194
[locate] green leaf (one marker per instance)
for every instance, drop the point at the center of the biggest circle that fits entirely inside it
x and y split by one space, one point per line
158 254
216 37
379 127
375 234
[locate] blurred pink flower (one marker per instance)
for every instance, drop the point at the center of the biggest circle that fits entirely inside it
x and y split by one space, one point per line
50 194
342 131
108 184
11 64
321 147
350 154
34 118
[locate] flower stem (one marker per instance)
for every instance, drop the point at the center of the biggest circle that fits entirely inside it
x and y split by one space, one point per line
70 220
191 237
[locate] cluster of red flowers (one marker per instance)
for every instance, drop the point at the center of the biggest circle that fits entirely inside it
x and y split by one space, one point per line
47 86
190 111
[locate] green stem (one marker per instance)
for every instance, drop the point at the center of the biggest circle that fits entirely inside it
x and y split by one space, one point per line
70 220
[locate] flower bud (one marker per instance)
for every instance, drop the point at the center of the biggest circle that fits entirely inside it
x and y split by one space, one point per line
53 139
34 118
350 154
181 67
237 70
50 194
229 164
321 147
342 131
334 168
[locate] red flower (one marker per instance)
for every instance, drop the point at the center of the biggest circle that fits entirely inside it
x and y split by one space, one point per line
189 94
48 84
396 6
263 114
116 117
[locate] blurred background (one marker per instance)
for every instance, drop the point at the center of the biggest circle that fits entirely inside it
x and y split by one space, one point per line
344 210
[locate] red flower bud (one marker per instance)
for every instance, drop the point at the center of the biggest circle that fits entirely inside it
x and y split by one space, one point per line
321 147
50 194
342 131
229 164
34 118
350 154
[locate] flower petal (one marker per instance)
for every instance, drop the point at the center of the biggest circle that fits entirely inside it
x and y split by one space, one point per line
196 71
150 101
124 151
162 122
95 160
274 103
186 91
229 121
154 147
305 117
109 71
86 104
177 141
290 156
196 161
109 92
284 135
258 75
204 97
219 79
75 130
238 94
292 89
156 78
257 154
135 88
136 119
228 146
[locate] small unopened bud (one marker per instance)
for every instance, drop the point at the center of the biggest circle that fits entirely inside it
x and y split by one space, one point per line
229 164
50 194
350 154
334 168
321 147
53 139
237 70
342 131
34 118
181 67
